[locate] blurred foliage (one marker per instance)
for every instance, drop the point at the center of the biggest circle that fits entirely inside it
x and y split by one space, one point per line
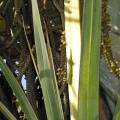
18 50
2 24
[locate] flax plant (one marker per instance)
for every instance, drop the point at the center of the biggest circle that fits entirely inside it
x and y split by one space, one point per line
46 72
88 103
73 48
24 103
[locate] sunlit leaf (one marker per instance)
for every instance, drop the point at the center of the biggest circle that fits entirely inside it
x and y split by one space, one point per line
73 49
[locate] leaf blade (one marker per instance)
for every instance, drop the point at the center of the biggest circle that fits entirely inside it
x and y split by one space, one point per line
25 105
48 80
6 112
89 66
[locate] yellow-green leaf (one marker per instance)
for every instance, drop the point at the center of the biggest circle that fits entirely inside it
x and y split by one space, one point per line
88 105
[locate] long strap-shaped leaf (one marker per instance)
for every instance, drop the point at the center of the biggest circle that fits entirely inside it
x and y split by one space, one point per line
6 112
25 105
73 49
116 115
89 66
48 81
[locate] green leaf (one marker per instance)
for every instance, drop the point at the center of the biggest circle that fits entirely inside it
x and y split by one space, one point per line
6 112
116 115
47 77
25 105
73 50
88 106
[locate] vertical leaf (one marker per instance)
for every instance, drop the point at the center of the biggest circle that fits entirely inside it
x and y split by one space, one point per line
89 66
73 48
116 115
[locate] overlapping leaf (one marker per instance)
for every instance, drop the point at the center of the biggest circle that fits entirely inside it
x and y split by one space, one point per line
89 66
6 112
25 105
47 77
